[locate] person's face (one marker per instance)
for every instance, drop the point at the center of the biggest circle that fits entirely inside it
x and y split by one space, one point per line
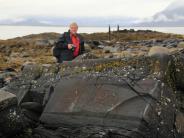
73 29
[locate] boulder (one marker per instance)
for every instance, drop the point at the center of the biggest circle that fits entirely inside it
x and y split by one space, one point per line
94 44
116 108
179 70
100 97
181 45
2 82
87 47
123 54
7 99
110 55
158 51
32 106
180 123
85 56
174 50
109 49
9 116
52 41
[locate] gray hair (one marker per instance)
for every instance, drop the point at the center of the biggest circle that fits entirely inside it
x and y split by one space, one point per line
74 24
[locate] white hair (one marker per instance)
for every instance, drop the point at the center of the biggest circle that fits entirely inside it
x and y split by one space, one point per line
74 24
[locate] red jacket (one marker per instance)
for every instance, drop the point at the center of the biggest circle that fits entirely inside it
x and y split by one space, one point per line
76 42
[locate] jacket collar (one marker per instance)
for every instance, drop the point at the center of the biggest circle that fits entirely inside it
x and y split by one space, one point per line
70 33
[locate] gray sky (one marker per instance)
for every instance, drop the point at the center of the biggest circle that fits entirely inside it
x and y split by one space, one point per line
16 9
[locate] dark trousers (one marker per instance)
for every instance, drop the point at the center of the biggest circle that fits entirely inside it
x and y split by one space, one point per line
63 55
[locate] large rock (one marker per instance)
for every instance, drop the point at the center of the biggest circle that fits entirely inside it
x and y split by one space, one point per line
7 99
13 120
109 110
158 51
178 75
110 49
123 54
2 82
94 44
180 123
87 47
105 97
8 113
110 105
181 45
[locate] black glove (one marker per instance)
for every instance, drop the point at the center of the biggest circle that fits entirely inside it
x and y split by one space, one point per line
73 47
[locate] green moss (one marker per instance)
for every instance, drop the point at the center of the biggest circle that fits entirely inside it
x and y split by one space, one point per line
100 67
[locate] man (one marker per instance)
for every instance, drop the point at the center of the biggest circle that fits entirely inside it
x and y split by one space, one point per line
69 45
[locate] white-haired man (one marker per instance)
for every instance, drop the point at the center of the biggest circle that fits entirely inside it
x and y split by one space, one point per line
69 45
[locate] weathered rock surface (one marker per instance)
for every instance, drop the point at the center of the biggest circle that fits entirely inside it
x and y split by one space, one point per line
181 45
157 50
7 99
100 97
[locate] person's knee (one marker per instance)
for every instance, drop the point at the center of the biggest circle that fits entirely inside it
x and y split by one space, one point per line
56 52
59 60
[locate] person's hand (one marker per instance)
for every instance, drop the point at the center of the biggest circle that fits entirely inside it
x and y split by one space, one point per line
69 46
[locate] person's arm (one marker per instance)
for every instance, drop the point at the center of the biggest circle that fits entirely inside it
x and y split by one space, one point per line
62 43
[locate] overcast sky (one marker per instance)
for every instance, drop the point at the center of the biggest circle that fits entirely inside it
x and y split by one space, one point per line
68 8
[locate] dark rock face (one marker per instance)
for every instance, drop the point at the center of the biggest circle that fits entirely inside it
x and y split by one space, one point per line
179 69
9 120
7 99
130 97
111 104
1 82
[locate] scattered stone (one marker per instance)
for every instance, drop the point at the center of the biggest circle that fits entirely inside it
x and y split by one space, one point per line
14 54
25 54
42 43
108 56
123 54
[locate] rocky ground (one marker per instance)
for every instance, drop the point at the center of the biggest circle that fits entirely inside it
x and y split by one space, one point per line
134 62
37 48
